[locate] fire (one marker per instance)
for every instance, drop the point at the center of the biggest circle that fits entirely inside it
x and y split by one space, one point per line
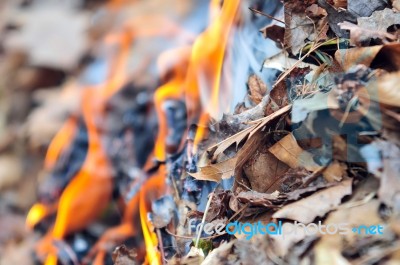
60 141
195 78
204 74
37 213
90 190
151 190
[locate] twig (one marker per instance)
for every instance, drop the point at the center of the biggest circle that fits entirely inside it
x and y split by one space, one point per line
161 247
204 219
266 15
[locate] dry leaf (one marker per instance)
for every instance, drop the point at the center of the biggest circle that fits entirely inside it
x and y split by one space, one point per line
335 17
389 189
282 244
259 199
299 30
380 20
335 172
217 149
329 248
40 35
274 32
288 151
257 88
362 8
318 204
388 92
361 34
282 62
263 170
396 4
216 172
383 56
219 255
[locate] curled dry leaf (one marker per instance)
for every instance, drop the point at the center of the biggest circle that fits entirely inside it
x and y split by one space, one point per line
318 204
257 88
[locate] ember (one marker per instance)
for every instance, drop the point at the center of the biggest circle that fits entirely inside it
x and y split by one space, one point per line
213 132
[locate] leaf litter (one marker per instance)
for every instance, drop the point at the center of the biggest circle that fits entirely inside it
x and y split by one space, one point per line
325 151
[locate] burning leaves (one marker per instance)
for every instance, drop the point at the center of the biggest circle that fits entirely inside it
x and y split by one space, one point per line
318 122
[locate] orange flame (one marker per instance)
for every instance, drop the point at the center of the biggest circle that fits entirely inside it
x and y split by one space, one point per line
151 190
90 190
207 57
205 67
60 141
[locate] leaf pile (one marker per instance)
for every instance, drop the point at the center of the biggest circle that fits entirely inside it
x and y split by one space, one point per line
326 148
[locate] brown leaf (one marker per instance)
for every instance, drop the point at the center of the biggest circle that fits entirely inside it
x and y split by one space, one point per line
260 199
382 56
274 32
315 11
217 149
288 151
318 204
263 171
387 92
216 172
329 248
335 171
257 88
